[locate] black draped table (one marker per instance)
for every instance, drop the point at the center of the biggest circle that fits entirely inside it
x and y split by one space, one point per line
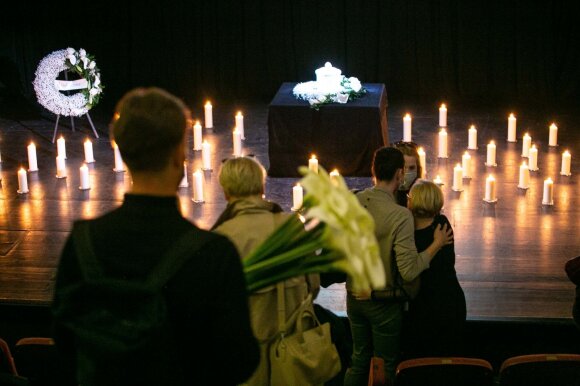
342 136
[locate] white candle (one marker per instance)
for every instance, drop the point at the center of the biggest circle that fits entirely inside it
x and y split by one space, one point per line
526 145
61 147
442 143
466 164
197 136
491 154
511 128
208 115
237 138
197 186
183 183
443 115
22 181
438 180
297 197
60 167
566 162
240 124
32 163
524 181
548 198
407 122
84 175
533 158
119 167
313 164
422 156
334 176
553 141
89 157
490 189
472 142
205 156
457 178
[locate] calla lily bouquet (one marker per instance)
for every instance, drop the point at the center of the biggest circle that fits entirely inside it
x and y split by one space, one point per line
333 232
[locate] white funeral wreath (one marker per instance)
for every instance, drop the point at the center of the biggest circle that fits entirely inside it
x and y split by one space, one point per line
48 88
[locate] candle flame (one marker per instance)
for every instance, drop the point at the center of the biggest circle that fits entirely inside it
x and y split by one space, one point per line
420 150
208 103
533 147
239 114
549 180
566 152
407 116
298 184
524 164
553 126
22 170
443 106
334 172
491 177
512 116
116 116
313 156
472 127
492 142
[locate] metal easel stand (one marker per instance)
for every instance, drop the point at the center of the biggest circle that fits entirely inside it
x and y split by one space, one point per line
72 122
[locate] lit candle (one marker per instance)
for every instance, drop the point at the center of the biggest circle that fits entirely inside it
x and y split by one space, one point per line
61 147
237 138
197 136
297 197
240 123
524 181
205 156
313 164
32 163
466 164
407 128
197 186
472 142
443 115
566 162
442 143
84 175
183 183
511 128
422 156
457 178
89 157
119 167
533 158
22 181
208 115
334 176
553 135
491 154
438 180
526 145
60 167
490 189
548 198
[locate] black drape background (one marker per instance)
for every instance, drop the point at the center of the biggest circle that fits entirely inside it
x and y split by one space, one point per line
494 52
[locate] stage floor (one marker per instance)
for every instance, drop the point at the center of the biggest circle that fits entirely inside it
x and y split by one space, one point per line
510 255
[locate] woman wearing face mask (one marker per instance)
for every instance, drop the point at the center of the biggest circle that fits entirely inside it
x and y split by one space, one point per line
412 169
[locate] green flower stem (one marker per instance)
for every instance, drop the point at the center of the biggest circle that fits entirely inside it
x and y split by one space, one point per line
288 256
275 240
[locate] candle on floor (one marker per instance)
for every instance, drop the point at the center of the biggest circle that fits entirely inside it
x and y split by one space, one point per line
533 158
548 197
240 124
313 163
297 197
60 167
407 122
438 180
205 156
422 157
443 115
61 147
22 181
524 182
119 166
334 175
88 146
553 141
197 137
472 138
490 189
208 109
566 162
511 128
183 183
84 176
466 164
527 142
198 186
237 139
457 178
491 154
32 162
442 143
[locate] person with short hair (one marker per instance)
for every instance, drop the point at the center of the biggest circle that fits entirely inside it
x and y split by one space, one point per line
206 299
413 169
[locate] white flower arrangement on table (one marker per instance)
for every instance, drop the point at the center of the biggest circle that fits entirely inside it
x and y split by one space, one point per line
337 235
49 94
317 95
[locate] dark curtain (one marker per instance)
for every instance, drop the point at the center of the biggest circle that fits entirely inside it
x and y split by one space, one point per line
492 52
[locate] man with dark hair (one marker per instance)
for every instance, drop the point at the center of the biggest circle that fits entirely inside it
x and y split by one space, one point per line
376 324
205 299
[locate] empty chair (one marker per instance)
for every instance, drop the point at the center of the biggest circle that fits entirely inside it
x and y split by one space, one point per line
541 370
8 373
444 372
36 358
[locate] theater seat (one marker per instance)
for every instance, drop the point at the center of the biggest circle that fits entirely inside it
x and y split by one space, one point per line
541 370
377 373
8 373
456 371
36 358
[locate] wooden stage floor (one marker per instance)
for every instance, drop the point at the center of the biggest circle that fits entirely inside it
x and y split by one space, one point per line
510 255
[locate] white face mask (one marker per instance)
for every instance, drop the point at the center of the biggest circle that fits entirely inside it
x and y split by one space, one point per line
408 180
